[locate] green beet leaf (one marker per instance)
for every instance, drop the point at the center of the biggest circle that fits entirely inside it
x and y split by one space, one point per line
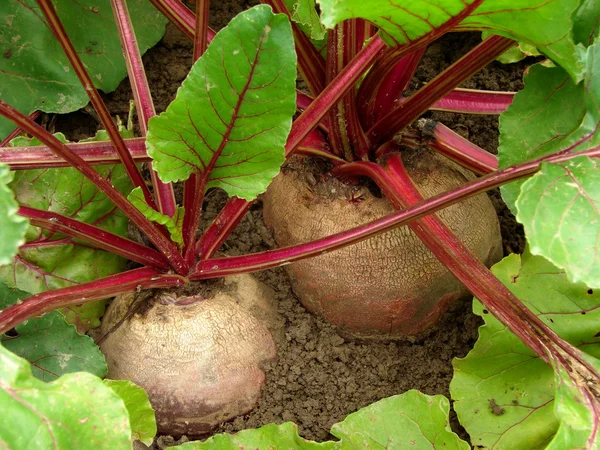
543 24
35 74
232 115
12 225
284 436
173 224
410 420
141 414
586 26
50 344
76 411
504 394
559 208
51 261
549 115
305 14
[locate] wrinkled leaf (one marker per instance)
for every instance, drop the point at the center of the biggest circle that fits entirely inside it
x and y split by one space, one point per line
549 115
141 414
35 74
411 420
173 224
12 225
560 209
284 436
50 344
504 394
51 261
75 411
305 14
233 112
541 23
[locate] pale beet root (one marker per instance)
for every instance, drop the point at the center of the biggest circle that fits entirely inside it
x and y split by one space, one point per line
200 360
390 285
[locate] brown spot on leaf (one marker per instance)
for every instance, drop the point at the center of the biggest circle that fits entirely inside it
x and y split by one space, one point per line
95 9
495 408
8 53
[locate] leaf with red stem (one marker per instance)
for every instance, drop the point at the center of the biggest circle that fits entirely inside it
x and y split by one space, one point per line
504 394
50 261
586 22
53 346
232 115
52 86
12 225
542 23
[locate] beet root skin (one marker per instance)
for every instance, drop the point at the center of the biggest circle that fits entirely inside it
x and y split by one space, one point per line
201 362
388 286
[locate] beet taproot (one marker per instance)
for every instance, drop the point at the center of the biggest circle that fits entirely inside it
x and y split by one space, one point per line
200 359
388 286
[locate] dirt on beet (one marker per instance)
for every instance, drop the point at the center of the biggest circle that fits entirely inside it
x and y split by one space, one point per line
320 377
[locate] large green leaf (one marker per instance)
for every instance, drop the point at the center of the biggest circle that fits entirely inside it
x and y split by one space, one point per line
549 115
35 74
50 344
544 24
233 112
410 420
560 210
74 412
141 414
51 261
504 394
12 225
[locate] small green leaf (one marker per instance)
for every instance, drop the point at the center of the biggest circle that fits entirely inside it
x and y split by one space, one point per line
560 209
284 436
410 420
174 224
234 111
75 411
12 225
586 26
305 14
540 23
50 344
141 414
503 393
34 71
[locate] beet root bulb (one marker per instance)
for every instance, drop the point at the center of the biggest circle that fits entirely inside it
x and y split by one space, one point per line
388 286
200 359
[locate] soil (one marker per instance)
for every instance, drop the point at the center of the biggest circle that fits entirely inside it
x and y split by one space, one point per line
320 377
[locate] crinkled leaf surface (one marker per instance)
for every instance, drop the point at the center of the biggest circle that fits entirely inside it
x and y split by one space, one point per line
50 344
12 225
560 209
544 24
76 411
50 261
549 115
233 113
173 224
284 436
35 74
141 414
504 394
410 420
